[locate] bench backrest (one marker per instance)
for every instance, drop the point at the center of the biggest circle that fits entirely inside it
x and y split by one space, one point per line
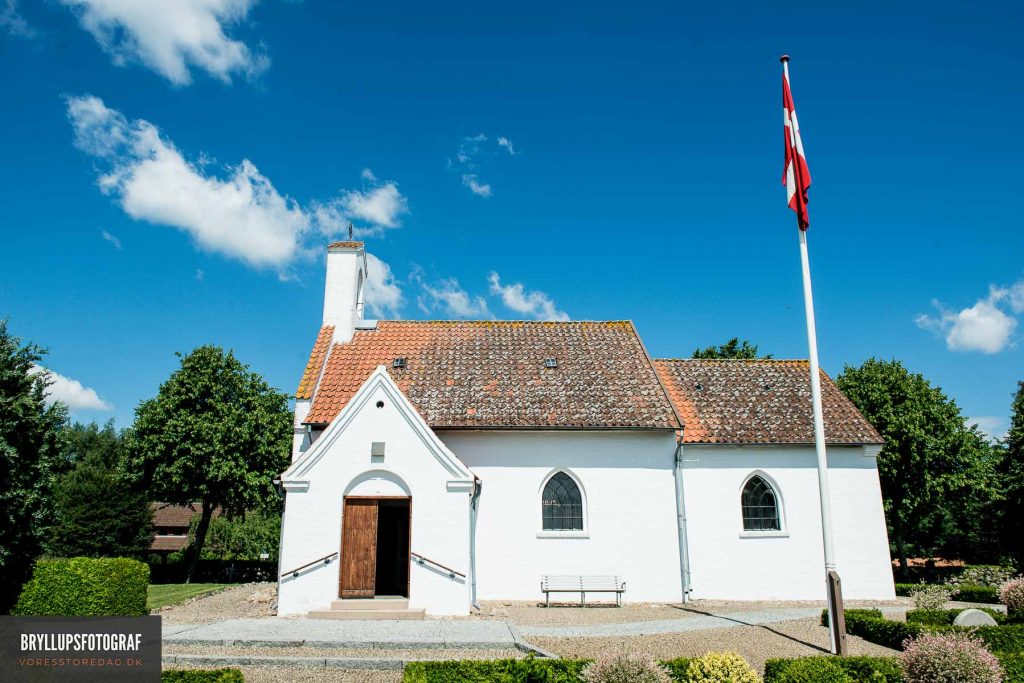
581 583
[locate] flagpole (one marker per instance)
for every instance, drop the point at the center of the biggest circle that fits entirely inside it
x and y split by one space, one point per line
837 626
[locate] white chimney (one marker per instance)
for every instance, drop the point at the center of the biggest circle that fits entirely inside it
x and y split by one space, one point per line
343 293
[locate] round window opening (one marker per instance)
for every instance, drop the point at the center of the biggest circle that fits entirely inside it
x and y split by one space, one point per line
380 404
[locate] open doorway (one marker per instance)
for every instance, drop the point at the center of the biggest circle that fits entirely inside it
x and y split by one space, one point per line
375 547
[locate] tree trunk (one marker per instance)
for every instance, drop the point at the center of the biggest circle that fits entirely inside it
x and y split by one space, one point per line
196 547
901 551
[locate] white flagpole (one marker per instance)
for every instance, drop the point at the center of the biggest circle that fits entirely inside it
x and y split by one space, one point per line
819 428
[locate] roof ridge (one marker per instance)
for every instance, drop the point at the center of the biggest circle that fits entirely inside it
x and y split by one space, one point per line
504 322
732 360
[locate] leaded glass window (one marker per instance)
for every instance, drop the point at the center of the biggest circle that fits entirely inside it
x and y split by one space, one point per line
760 508
562 504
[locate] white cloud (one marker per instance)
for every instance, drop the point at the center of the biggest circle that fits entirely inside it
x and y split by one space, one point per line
983 327
380 206
536 305
242 216
367 174
993 427
12 22
111 238
71 392
1016 297
172 36
507 144
382 294
475 186
453 300
200 274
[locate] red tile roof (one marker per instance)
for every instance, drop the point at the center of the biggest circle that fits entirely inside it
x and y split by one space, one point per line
758 401
316 362
493 374
169 515
345 245
168 543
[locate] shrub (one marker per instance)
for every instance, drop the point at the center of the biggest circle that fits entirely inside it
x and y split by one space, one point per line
879 630
84 586
1011 594
497 671
721 667
854 614
985 594
989 575
931 596
904 589
1013 667
945 617
1009 639
806 670
202 676
625 668
952 657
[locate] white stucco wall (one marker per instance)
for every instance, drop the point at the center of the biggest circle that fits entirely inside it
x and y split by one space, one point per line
629 501
339 464
727 565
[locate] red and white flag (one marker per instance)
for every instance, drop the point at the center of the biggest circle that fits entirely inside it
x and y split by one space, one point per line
796 177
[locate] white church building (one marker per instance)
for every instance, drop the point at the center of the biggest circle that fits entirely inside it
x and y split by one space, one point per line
448 462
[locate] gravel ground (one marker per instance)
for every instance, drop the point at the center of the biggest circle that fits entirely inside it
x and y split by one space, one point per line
246 601
284 674
425 653
756 643
534 614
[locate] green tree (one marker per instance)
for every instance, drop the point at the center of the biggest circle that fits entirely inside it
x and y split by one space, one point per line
243 538
936 472
1011 474
30 449
734 348
100 511
216 434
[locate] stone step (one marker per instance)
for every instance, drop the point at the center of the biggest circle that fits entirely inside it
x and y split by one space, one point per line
370 603
367 614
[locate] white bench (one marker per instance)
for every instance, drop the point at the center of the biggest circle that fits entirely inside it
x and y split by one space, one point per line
582 585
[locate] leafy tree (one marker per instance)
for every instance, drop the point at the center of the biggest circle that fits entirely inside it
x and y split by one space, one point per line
30 447
1011 471
936 472
100 512
734 348
243 538
216 434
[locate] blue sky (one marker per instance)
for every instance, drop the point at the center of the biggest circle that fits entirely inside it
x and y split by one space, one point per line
170 178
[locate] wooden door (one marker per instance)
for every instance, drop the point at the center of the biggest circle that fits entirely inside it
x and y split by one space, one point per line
359 548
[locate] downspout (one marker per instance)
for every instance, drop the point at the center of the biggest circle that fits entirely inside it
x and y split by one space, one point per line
279 489
473 499
684 549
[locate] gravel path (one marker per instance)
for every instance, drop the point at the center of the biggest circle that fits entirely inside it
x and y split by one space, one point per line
250 600
798 638
407 654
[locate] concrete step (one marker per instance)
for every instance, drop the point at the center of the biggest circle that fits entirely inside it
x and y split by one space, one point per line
370 603
369 614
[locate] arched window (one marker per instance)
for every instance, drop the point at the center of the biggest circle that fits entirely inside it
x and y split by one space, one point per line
760 506
562 504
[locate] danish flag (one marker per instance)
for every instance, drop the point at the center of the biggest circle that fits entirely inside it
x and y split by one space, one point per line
796 177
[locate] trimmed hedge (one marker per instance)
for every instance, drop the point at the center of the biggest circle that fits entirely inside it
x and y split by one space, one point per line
945 617
1013 667
202 676
983 594
86 587
1000 639
498 670
871 625
838 669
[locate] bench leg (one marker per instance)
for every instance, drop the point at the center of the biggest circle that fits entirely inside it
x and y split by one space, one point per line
583 598
547 599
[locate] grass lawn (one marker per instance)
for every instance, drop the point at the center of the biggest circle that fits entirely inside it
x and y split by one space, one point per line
161 595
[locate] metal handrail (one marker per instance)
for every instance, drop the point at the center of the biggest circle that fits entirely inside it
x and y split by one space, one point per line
326 559
451 572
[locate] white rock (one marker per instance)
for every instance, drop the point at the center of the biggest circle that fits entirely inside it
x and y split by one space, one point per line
974 617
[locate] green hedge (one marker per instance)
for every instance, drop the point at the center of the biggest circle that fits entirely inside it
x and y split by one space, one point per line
871 625
677 668
84 586
202 676
984 594
945 617
498 670
833 669
1013 667
1002 639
